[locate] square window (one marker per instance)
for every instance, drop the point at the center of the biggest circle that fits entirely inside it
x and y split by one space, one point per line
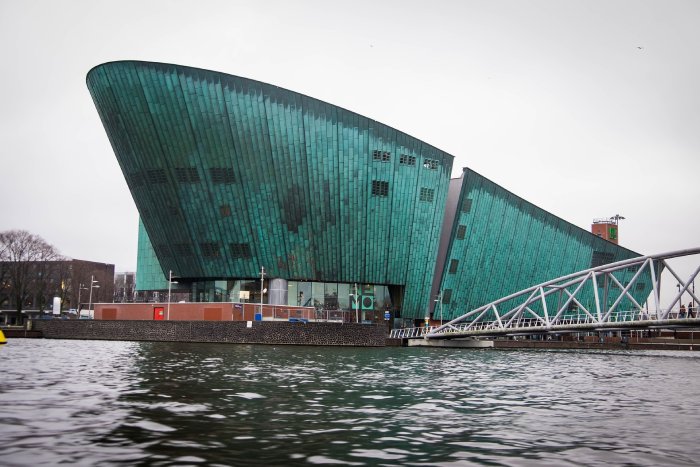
446 296
240 251
466 205
427 194
454 263
461 231
381 156
380 188
209 249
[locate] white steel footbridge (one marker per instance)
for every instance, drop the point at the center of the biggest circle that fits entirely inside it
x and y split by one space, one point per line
591 300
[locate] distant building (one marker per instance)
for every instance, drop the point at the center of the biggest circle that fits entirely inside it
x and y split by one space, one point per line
607 229
125 291
42 281
124 287
231 175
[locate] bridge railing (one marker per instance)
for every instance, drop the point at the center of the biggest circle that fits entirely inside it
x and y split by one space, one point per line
579 318
408 333
538 325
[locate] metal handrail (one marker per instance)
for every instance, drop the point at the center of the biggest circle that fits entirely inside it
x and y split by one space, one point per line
566 323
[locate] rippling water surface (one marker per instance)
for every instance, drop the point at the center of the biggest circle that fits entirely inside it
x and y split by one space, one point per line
107 403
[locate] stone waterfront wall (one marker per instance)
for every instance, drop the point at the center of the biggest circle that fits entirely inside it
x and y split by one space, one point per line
234 332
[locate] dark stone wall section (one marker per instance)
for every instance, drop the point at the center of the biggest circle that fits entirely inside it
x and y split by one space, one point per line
234 332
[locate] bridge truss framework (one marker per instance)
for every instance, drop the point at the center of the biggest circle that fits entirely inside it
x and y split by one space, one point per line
530 311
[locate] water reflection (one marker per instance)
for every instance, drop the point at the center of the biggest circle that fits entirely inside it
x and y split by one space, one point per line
95 402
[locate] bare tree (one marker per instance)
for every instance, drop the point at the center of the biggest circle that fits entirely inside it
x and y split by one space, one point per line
25 271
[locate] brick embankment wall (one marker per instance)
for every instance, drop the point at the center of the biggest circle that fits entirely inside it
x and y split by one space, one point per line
13 333
234 332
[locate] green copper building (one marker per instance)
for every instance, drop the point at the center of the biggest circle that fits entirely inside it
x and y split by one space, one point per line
230 175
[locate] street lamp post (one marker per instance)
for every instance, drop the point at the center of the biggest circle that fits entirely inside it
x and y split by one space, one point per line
262 291
81 287
170 283
439 299
92 286
357 303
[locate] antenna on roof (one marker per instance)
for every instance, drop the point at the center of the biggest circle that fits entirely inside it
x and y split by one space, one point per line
617 218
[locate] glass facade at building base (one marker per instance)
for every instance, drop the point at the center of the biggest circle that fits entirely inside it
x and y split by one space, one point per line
320 295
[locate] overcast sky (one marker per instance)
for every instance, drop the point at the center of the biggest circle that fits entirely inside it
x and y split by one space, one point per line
585 108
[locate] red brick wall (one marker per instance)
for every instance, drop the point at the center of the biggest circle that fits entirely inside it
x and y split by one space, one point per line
223 311
602 231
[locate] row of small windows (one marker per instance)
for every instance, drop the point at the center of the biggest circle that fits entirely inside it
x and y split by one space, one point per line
240 251
431 164
381 188
222 175
212 250
382 156
187 174
151 176
218 175
404 159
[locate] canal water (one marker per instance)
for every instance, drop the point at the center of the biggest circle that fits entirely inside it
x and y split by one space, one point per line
127 403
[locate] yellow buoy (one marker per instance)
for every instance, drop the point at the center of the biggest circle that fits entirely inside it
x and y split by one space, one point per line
2 338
